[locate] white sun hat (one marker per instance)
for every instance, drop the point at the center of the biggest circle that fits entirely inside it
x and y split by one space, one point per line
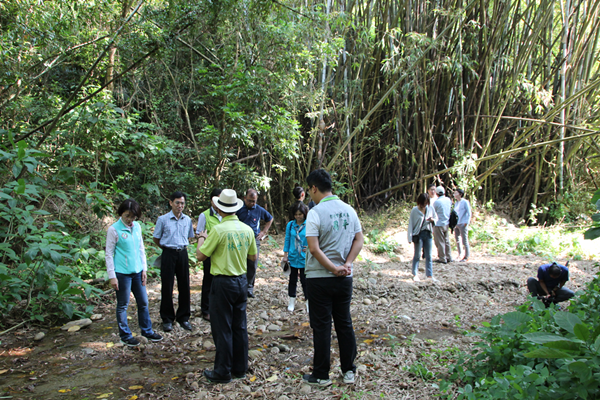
228 201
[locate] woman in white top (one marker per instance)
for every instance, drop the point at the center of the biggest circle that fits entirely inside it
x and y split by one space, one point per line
461 232
420 225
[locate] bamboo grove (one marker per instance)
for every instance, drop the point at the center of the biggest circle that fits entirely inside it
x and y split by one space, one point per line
498 97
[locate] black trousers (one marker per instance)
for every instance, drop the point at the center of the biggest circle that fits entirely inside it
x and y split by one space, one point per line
174 264
294 272
206 284
228 297
331 297
251 268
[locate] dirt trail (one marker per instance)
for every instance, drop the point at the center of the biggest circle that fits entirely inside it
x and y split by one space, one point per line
398 324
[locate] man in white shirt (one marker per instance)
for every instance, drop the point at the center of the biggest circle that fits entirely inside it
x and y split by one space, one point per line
441 236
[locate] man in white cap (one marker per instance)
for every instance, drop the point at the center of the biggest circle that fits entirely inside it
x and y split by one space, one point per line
441 236
229 244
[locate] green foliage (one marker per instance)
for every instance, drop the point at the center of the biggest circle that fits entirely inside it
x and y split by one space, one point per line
379 243
594 232
35 249
534 353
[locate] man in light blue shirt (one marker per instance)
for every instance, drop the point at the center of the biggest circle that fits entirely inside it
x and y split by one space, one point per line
172 233
441 237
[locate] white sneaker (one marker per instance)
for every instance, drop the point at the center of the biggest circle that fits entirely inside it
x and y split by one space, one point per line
432 279
416 278
349 377
291 304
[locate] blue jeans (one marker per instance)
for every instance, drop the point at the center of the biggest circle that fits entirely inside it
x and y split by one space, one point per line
129 283
424 241
331 297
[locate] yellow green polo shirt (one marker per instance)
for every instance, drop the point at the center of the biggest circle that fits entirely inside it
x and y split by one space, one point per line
228 245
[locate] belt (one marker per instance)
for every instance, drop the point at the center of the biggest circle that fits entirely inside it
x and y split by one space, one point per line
179 249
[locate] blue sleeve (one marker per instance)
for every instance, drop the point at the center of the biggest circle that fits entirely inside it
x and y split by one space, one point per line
266 216
288 237
158 229
542 274
191 230
565 274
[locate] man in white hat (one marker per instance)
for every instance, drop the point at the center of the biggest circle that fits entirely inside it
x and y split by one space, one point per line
229 244
441 236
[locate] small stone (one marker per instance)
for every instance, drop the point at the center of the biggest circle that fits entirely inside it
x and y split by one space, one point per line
382 302
202 395
261 328
372 281
246 388
455 310
254 354
367 302
96 317
195 385
74 328
264 315
274 327
284 348
39 336
283 397
208 345
405 317
280 323
275 350
305 389
88 351
82 323
142 339
361 368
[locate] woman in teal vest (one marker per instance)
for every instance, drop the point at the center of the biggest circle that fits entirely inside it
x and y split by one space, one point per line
294 252
126 267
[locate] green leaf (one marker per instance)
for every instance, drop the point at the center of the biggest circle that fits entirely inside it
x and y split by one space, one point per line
596 217
596 197
592 234
582 332
22 145
20 189
567 345
67 309
64 283
544 352
597 345
514 319
566 320
581 369
541 337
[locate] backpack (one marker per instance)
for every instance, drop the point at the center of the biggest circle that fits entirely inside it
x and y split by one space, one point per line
453 220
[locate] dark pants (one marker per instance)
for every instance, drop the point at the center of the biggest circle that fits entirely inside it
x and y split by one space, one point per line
562 294
174 264
294 272
330 297
228 296
206 283
252 266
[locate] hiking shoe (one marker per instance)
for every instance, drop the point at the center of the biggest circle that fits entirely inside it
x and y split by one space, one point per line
416 278
349 377
154 337
131 342
311 380
432 279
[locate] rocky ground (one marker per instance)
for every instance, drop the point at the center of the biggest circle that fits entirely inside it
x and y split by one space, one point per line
403 328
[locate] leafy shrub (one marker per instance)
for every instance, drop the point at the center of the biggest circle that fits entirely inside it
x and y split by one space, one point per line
534 353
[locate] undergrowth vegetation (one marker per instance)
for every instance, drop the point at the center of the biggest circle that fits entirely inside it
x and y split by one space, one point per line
532 353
